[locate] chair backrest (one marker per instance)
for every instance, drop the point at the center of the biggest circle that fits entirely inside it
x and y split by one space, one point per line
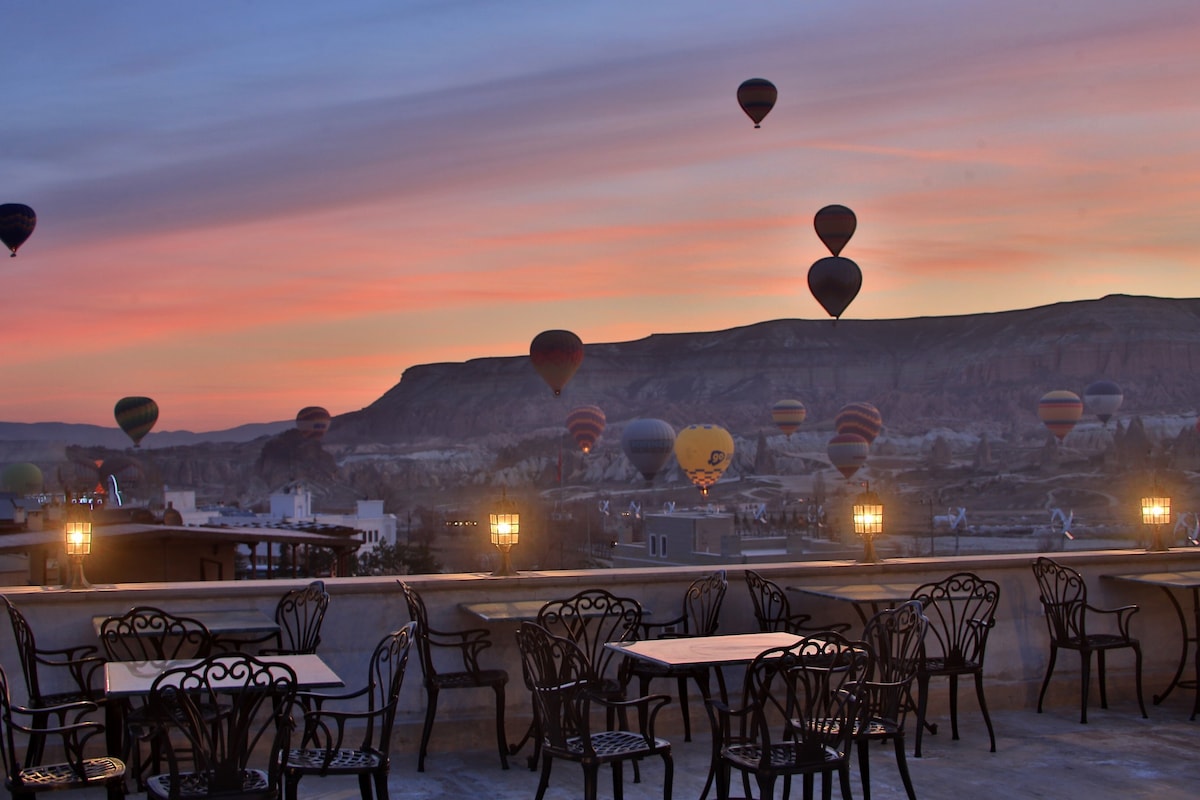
559 676
385 677
962 611
1064 599
26 651
702 604
589 619
418 613
771 605
255 700
300 613
806 693
145 633
896 637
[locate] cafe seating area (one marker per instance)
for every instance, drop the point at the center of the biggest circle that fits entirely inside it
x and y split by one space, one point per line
361 610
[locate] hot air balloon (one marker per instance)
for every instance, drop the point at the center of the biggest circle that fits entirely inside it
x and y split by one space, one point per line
312 422
648 444
1103 398
586 423
704 453
861 418
848 452
136 416
835 282
17 222
1059 411
835 225
788 414
22 478
556 355
757 97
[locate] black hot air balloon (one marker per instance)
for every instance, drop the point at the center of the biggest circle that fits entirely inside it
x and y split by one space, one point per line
835 225
17 222
757 97
556 355
835 282
136 416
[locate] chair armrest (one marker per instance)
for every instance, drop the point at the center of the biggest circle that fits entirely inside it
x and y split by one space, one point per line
326 730
649 706
646 630
470 642
83 663
318 699
72 735
802 623
234 644
1122 613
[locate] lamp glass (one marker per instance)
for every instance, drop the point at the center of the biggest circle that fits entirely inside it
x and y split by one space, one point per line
505 524
868 516
79 538
1156 510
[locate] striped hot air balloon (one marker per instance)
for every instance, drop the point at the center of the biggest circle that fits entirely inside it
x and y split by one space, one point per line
861 418
757 97
586 423
648 444
312 422
848 452
1059 410
136 416
556 355
788 415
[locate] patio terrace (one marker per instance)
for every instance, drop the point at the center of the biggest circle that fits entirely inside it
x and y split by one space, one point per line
1116 754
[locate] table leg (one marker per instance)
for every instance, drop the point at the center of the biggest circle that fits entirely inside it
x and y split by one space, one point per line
1187 639
705 694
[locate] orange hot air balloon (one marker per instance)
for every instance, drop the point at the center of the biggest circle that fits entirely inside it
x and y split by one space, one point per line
586 423
861 418
556 355
788 415
704 453
1059 411
312 422
848 452
757 97
835 225
835 282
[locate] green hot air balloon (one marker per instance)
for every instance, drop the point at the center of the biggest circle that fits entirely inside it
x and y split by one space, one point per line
136 416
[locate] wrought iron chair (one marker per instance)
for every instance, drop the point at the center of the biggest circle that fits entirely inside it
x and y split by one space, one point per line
700 617
299 614
258 697
146 633
773 610
799 706
71 732
563 687
962 612
896 637
469 644
330 745
83 665
1065 603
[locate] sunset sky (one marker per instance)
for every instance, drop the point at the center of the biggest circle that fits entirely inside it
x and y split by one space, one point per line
249 207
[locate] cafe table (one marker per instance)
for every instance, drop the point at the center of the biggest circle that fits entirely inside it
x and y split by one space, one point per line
875 596
1171 583
705 651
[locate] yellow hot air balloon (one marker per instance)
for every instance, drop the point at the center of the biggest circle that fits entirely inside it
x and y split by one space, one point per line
704 453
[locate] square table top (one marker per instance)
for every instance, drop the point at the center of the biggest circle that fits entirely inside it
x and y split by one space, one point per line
695 651
134 678
218 621
1177 580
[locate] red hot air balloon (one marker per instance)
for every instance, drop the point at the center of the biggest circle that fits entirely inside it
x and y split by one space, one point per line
1059 411
648 444
757 97
312 422
586 423
17 222
835 225
835 282
861 418
788 415
848 452
556 355
136 416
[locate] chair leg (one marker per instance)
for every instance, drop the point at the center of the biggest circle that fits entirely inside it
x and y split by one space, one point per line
1102 676
431 699
618 781
668 773
1137 677
1085 682
364 786
1049 672
590 779
544 780
922 704
862 744
902 766
291 786
843 778
501 737
381 786
683 708
954 707
983 709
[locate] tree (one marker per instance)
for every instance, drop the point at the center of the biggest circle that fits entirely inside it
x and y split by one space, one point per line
397 559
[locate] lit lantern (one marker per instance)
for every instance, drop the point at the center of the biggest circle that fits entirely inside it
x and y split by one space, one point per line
868 522
505 526
1156 512
78 543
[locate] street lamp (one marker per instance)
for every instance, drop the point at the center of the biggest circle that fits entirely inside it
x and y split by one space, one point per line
1156 512
505 526
868 523
78 540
